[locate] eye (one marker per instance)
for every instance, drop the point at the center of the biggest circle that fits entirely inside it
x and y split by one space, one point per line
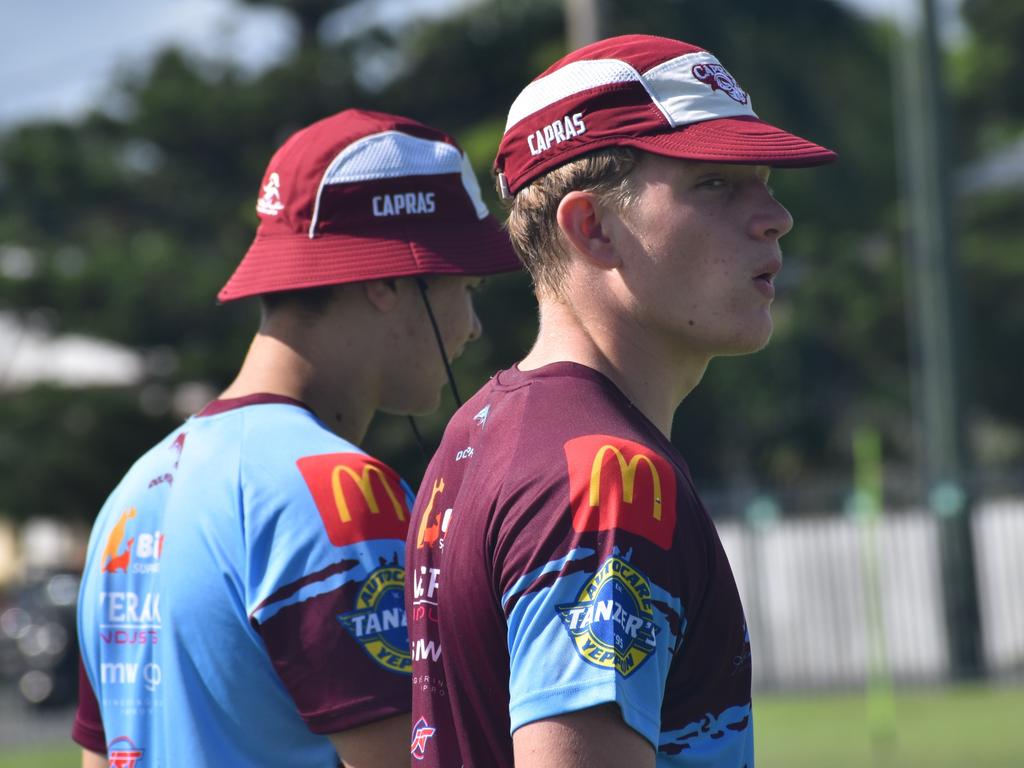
712 182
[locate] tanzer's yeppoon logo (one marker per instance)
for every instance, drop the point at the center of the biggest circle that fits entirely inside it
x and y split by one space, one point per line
612 623
378 622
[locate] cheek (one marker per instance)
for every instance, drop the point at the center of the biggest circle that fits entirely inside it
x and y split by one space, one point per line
453 322
405 334
460 322
411 341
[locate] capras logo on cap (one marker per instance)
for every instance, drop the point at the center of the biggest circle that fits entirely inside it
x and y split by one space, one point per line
556 132
719 79
404 202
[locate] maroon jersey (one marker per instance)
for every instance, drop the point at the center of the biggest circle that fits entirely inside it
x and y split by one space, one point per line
560 559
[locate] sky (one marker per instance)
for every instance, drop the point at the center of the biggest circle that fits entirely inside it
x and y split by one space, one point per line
58 57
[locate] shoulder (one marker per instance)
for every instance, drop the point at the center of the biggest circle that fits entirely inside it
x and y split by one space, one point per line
564 427
619 483
567 399
358 497
275 439
289 460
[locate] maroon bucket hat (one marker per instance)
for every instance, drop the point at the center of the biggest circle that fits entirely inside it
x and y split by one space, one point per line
363 195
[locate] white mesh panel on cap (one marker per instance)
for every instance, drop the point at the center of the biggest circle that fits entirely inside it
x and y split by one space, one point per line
684 99
571 79
391 155
473 189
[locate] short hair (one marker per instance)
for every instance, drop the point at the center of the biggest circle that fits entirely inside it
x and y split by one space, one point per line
532 224
312 302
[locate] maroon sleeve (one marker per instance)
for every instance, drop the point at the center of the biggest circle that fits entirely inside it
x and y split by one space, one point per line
343 652
88 728
335 684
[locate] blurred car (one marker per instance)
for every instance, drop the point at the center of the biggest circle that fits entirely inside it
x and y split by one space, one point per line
38 640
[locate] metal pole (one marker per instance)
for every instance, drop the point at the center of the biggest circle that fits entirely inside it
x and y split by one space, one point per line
934 283
584 22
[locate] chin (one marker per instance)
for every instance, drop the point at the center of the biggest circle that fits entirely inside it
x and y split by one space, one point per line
426 408
747 344
764 333
415 404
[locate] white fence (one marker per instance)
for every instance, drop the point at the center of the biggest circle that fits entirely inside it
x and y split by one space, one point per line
830 599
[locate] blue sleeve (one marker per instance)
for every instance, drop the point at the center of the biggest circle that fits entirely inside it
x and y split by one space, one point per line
587 629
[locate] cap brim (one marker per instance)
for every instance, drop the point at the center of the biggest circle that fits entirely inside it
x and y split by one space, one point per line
291 262
736 140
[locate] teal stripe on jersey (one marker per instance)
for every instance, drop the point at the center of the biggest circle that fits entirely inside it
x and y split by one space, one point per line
523 582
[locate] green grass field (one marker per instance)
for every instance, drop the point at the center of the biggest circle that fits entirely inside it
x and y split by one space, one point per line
966 727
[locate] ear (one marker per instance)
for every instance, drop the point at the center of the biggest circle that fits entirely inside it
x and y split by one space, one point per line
382 294
583 221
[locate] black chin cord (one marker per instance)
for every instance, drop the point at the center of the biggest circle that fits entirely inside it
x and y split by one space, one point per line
440 342
422 284
419 437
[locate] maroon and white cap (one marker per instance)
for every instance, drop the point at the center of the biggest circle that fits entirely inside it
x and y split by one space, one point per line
363 195
659 95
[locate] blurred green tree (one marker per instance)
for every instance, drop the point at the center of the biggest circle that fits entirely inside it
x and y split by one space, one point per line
985 75
840 347
134 217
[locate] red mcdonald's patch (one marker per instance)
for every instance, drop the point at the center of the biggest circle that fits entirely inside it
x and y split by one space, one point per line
358 497
616 483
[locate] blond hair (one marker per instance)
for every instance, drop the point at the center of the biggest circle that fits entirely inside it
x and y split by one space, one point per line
532 225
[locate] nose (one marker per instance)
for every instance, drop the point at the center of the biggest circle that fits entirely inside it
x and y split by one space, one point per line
772 220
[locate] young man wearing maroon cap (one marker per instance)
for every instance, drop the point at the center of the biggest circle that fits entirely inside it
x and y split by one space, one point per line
570 603
242 601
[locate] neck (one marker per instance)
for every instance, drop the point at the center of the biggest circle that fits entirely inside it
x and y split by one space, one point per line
654 377
279 364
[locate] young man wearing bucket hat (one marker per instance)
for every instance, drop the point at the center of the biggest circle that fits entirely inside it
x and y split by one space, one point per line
242 601
570 602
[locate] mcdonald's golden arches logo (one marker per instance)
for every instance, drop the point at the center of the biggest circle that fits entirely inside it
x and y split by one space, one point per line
618 483
358 497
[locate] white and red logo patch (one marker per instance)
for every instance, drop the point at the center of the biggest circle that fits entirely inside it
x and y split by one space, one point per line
718 77
123 753
422 732
270 201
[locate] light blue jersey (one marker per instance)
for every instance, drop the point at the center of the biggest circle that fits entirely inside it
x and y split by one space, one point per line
242 595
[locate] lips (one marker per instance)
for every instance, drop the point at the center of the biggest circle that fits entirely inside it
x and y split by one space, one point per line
769 269
764 278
